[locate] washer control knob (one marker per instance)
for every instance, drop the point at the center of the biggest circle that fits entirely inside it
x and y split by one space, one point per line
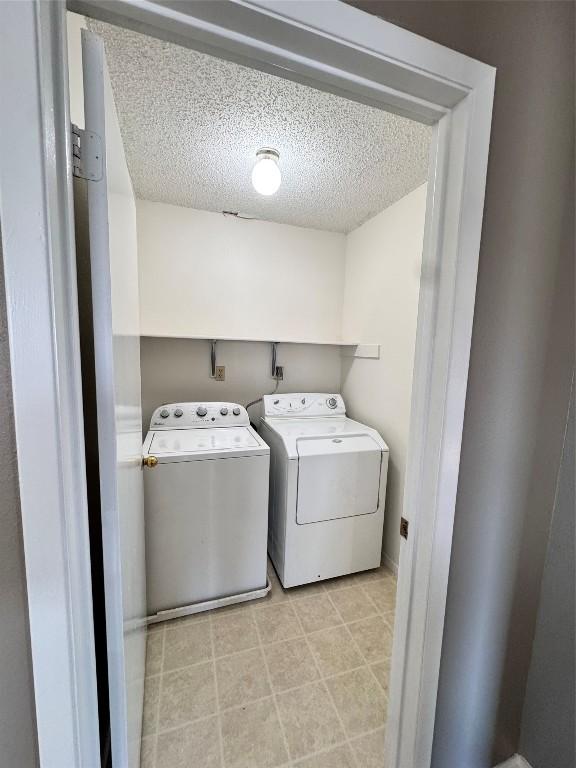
331 402
178 412
164 413
224 411
201 411
236 411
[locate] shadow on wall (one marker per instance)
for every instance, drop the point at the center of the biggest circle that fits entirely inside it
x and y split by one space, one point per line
547 739
176 370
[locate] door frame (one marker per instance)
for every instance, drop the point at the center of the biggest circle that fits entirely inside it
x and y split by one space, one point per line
322 43
37 219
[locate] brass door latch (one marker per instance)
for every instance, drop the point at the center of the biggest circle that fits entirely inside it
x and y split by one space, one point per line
149 461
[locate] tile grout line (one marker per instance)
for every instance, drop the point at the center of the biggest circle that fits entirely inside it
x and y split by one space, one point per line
218 716
369 665
160 687
293 602
263 698
346 742
275 642
351 636
371 668
351 741
323 751
327 689
187 723
367 661
322 681
272 691
371 671
301 636
381 610
370 598
180 621
340 624
205 718
362 618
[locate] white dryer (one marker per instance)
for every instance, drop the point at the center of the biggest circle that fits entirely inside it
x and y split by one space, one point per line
327 488
206 506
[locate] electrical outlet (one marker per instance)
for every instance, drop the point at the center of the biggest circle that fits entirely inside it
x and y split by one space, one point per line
220 373
279 372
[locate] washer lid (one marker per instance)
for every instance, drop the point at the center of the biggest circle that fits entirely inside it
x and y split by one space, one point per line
189 444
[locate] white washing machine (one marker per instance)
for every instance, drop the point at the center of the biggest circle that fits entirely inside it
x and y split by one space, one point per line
327 488
206 505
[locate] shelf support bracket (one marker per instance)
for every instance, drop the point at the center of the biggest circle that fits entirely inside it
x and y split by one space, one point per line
213 359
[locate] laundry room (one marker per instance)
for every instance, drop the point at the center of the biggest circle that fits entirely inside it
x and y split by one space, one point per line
262 292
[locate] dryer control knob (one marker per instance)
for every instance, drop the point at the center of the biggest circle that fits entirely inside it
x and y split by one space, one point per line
224 411
332 402
164 413
236 411
201 411
178 412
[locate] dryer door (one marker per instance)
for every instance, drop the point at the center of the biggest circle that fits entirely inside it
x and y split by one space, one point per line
337 477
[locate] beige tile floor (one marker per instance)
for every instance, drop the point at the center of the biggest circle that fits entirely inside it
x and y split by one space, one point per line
298 679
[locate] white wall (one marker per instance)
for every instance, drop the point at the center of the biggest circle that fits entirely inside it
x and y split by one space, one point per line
382 282
74 26
205 274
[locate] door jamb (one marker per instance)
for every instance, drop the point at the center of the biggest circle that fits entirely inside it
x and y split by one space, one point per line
36 210
347 52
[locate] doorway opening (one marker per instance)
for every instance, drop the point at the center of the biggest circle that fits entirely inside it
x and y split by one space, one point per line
261 320
169 312
349 53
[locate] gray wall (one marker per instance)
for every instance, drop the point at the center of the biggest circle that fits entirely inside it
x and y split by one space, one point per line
522 356
18 745
547 735
179 370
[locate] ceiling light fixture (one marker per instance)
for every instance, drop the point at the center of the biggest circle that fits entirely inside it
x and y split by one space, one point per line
266 176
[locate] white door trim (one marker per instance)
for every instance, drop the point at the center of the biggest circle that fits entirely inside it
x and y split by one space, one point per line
343 50
40 271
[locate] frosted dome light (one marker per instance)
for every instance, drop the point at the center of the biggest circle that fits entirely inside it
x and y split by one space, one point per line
266 176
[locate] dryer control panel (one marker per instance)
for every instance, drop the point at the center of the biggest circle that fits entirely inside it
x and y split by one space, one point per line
302 405
199 415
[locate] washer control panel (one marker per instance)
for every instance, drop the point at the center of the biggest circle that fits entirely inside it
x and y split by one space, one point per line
198 415
301 405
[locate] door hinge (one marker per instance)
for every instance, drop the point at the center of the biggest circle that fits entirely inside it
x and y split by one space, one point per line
404 527
86 154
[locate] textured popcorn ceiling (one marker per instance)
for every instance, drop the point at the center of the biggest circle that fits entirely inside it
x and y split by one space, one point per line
192 125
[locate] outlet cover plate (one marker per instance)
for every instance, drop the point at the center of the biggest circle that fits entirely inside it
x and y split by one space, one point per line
220 373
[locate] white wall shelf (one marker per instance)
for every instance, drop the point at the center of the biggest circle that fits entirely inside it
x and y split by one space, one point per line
361 349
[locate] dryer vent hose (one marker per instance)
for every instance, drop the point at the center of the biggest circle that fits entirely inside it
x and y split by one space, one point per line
254 402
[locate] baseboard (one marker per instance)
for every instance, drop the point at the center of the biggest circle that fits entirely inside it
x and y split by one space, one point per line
390 564
516 761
